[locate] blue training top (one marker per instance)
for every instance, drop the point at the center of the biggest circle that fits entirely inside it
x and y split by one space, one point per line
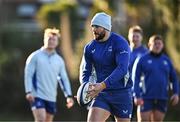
135 53
157 72
110 60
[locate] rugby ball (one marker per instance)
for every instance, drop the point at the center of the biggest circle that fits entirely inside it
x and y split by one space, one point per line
82 98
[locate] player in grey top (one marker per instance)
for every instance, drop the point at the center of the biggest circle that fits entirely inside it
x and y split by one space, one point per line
44 69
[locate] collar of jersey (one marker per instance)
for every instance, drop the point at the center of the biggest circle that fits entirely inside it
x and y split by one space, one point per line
49 54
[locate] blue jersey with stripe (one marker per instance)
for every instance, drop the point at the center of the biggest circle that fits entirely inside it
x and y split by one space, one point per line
135 53
156 71
110 60
43 71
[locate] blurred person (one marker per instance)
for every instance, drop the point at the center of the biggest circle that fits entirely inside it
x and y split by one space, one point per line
44 69
135 37
157 70
108 54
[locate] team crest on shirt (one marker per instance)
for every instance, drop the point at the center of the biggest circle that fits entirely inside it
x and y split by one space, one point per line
149 61
165 62
110 48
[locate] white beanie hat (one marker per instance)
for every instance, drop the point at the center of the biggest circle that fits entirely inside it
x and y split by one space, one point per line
102 19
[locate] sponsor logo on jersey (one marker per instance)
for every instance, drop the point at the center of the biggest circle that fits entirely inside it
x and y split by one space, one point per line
125 111
124 51
93 50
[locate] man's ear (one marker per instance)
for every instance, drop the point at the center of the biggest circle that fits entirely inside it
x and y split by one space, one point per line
129 38
149 44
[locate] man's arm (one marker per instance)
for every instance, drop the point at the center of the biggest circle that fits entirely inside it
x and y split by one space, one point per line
64 81
122 53
65 85
137 89
28 76
85 67
175 84
29 73
173 79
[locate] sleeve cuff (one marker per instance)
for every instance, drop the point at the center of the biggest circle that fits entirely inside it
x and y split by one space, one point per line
28 92
137 95
69 96
107 83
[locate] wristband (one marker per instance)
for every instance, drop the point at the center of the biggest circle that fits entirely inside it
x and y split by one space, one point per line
28 92
103 85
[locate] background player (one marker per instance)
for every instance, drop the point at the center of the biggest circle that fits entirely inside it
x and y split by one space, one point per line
158 71
44 68
135 37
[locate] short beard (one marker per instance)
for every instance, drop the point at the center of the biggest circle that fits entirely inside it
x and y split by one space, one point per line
101 35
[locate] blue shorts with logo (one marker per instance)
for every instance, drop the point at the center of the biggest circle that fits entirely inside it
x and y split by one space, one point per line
118 103
154 104
49 106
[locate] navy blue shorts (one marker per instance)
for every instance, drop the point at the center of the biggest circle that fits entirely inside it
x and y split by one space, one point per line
154 104
49 106
118 103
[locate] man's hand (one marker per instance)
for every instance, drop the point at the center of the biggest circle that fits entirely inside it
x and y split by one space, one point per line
95 89
70 102
174 99
30 97
138 101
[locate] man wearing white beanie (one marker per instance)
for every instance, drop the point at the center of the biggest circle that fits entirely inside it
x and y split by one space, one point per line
109 54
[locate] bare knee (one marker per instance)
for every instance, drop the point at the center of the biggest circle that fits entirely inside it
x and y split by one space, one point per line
146 116
49 117
158 116
122 119
40 118
97 115
39 115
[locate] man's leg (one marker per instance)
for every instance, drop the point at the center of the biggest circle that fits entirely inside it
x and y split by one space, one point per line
160 110
39 115
96 114
158 116
122 112
146 110
139 113
146 116
134 113
50 110
49 117
122 119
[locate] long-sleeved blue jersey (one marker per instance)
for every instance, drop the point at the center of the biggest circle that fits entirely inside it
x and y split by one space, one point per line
110 60
135 53
157 72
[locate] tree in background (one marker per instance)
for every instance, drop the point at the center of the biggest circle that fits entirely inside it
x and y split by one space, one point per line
161 17
169 11
57 15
